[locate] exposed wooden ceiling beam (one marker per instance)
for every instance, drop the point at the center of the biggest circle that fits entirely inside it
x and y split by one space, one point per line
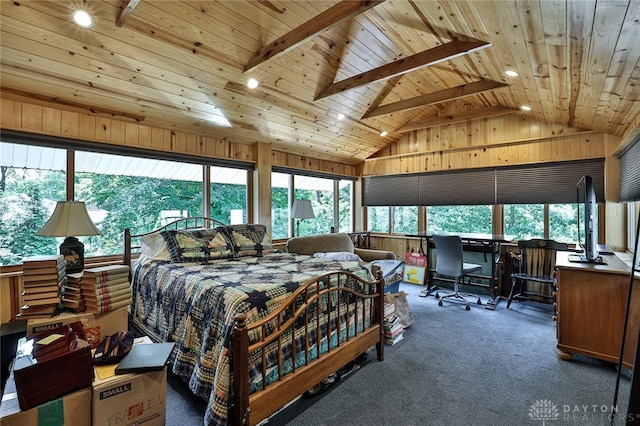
428 57
127 9
473 114
326 20
436 97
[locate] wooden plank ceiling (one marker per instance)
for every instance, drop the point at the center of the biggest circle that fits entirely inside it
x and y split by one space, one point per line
394 65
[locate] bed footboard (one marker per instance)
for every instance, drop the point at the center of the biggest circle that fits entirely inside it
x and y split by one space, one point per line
324 325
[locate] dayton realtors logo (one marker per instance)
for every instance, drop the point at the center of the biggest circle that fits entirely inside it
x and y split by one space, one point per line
544 410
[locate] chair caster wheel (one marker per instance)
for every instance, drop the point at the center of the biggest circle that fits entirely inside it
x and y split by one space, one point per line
439 302
437 295
467 307
479 302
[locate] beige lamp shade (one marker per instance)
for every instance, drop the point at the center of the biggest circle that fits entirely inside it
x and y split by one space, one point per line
69 219
302 209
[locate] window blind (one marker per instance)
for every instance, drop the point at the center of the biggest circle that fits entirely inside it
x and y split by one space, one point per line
548 183
630 173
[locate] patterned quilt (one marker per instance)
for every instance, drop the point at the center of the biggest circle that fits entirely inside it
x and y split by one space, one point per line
194 305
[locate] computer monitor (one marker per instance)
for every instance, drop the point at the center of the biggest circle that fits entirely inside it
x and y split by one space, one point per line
587 219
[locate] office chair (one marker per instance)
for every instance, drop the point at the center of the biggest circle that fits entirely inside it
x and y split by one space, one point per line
450 264
536 262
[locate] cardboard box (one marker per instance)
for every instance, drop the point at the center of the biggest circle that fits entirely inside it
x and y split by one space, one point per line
73 409
97 326
130 399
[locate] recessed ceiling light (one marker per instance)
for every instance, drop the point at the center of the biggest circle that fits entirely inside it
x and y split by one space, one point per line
511 73
340 116
82 19
525 107
383 133
252 83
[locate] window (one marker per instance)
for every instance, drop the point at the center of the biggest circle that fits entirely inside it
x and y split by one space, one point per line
30 186
459 219
405 220
119 191
378 219
228 194
563 225
279 205
345 203
329 209
132 192
524 221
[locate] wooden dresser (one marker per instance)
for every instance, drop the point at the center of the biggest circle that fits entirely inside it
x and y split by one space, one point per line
591 308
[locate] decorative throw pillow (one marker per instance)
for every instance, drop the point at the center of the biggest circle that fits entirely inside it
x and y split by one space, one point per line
338 255
153 246
198 245
250 239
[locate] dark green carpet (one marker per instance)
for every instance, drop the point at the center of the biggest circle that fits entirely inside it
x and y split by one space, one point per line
459 367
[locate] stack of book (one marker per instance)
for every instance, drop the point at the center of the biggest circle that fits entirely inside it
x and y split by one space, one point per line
106 288
42 278
393 330
72 294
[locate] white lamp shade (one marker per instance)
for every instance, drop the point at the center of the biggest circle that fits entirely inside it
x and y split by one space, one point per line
69 219
302 209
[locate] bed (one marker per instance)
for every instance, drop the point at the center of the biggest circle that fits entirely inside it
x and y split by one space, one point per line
254 327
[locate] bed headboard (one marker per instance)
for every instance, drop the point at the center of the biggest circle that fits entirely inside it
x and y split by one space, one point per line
132 241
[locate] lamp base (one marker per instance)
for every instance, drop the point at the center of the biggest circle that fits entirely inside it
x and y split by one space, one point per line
73 251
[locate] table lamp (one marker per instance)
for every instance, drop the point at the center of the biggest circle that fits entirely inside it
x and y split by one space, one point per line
70 219
301 209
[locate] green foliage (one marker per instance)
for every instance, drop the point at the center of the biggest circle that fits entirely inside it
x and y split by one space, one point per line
23 212
459 219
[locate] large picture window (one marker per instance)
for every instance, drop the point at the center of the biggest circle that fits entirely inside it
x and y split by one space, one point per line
119 191
331 200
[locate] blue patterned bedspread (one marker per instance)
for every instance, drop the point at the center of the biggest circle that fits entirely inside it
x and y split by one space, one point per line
194 305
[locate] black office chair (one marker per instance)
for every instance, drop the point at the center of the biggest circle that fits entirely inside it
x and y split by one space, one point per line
536 263
451 264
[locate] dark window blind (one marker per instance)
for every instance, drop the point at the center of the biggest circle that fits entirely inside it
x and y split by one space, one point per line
548 183
630 173
400 190
459 187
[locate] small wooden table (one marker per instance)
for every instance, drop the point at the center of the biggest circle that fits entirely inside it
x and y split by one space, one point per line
489 244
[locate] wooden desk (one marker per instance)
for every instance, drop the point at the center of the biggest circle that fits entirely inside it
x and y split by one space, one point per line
592 301
488 244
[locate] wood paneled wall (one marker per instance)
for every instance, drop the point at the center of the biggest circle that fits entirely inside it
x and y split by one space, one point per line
53 121
491 142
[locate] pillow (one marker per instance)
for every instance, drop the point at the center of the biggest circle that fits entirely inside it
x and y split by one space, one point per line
250 239
153 247
198 245
338 255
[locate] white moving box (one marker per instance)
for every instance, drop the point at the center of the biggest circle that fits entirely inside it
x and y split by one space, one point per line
130 399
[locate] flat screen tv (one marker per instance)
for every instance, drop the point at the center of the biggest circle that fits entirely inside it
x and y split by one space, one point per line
587 220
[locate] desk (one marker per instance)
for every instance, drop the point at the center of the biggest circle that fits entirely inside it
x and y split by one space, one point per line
489 244
592 301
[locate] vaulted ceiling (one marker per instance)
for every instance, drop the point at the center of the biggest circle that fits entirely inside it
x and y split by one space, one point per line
394 66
